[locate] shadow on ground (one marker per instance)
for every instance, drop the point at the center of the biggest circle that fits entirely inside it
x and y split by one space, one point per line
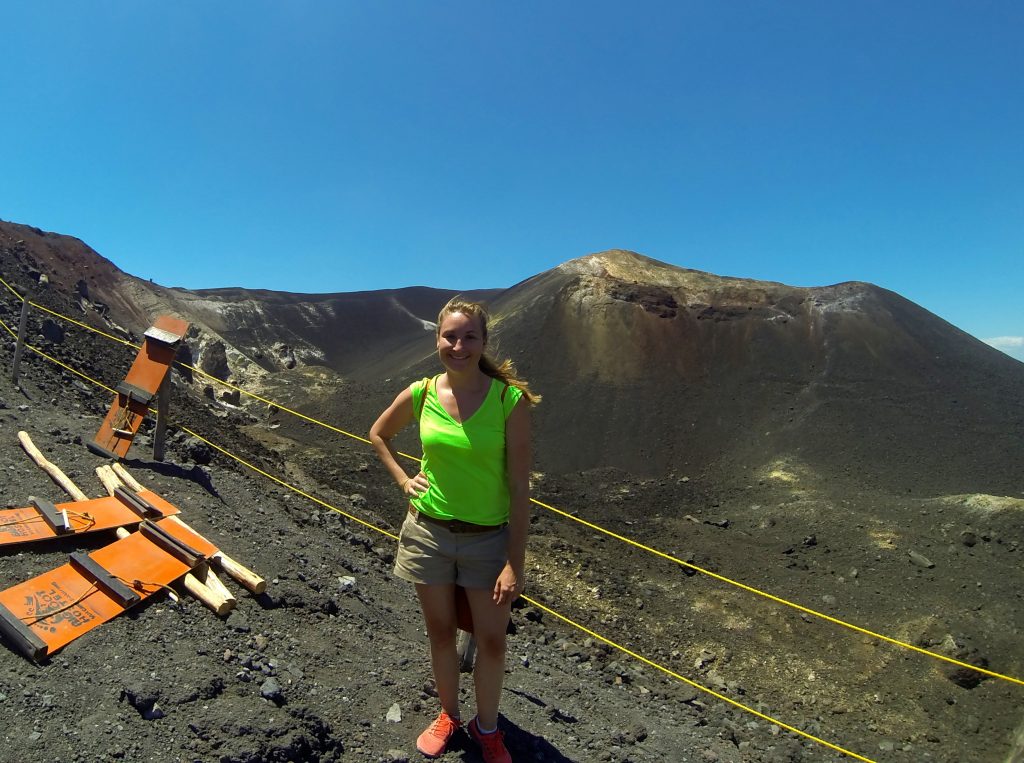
195 474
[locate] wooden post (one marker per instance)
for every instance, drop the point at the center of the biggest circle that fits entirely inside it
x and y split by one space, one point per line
19 348
163 405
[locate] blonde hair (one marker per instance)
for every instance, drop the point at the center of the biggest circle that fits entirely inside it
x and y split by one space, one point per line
505 371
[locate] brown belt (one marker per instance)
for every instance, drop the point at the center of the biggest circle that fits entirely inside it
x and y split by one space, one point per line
454 525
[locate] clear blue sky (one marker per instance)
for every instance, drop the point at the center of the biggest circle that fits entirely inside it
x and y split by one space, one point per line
339 146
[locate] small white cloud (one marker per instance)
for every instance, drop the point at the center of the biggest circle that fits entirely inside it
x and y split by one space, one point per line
1005 342
1011 345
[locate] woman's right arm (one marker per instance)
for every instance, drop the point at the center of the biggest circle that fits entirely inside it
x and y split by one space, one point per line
394 418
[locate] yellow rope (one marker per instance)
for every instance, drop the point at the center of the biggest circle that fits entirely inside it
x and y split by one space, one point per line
567 620
65 366
193 369
786 602
537 604
9 330
86 326
598 528
291 487
254 396
212 444
694 684
66 318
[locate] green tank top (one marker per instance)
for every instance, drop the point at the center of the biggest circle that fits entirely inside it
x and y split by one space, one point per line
465 463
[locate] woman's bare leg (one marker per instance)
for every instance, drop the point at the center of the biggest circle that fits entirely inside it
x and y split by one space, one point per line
438 605
490 621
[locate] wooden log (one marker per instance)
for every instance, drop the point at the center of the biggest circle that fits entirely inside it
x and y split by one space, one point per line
236 570
213 593
125 476
241 573
55 473
220 605
214 583
108 479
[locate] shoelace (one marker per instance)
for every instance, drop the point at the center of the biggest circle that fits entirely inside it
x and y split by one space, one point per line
443 726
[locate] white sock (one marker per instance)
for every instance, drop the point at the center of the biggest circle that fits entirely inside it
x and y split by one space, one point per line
482 730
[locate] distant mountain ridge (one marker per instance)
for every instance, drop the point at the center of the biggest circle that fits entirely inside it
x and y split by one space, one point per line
258 326
644 366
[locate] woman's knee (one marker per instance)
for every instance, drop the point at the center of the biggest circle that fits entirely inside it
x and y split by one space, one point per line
441 630
491 644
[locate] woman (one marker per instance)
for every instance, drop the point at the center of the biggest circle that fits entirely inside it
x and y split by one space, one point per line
468 513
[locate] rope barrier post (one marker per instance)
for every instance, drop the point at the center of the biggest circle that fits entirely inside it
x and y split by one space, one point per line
163 404
20 347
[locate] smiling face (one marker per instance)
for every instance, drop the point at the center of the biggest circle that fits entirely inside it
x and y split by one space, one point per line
460 342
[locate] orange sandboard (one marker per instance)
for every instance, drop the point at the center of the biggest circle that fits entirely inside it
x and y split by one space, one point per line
139 388
45 521
48 612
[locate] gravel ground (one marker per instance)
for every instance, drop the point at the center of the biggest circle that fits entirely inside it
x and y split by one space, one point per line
331 663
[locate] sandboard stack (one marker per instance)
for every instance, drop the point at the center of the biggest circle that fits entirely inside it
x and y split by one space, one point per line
51 610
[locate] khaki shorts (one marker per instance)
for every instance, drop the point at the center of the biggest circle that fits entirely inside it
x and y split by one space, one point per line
432 554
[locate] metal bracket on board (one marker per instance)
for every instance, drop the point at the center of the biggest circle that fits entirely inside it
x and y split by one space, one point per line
56 518
162 335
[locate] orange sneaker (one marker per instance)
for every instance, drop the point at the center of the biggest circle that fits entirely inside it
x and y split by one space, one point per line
491 745
433 741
